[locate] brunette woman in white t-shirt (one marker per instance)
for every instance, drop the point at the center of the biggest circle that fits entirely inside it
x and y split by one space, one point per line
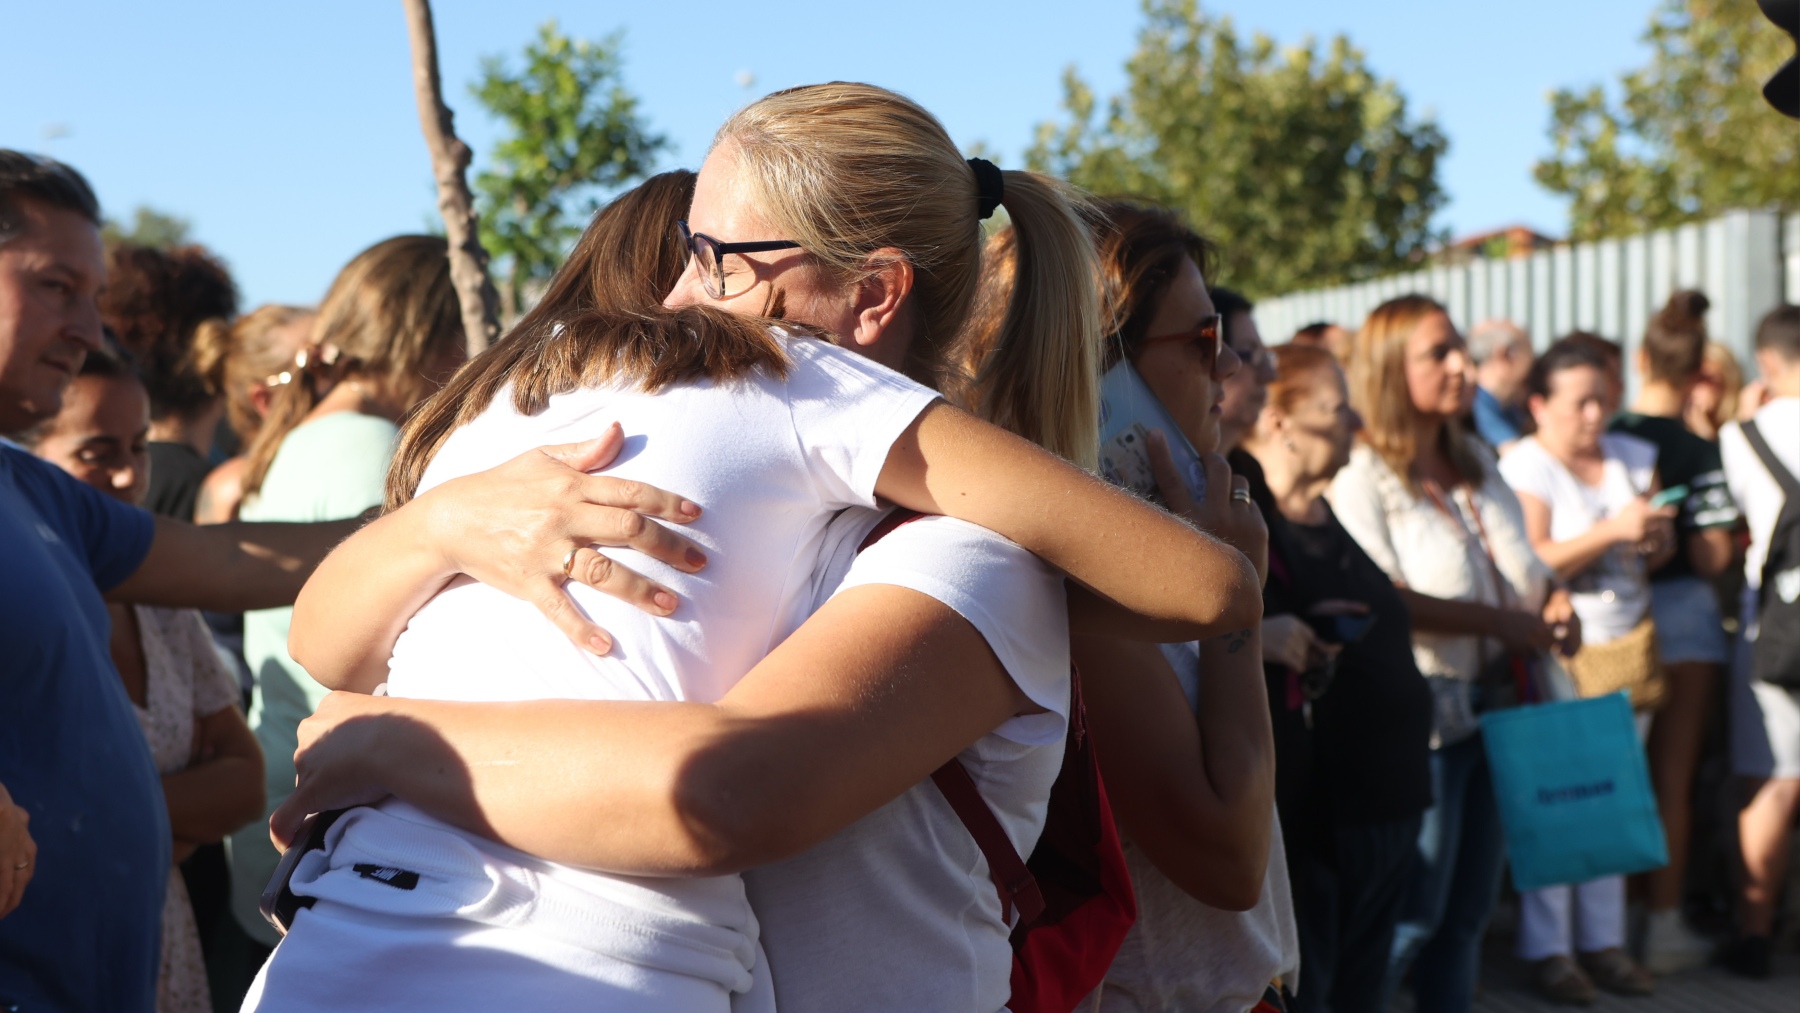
1425 501
1586 494
930 652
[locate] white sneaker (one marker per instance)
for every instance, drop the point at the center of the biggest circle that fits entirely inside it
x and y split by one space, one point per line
1670 947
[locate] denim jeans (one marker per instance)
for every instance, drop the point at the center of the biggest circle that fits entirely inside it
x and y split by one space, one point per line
1455 885
1346 903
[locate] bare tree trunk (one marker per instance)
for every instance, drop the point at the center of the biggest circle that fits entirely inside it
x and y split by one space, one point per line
450 164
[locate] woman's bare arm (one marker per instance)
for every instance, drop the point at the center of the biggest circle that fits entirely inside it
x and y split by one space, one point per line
1180 583
223 790
537 506
1196 794
875 691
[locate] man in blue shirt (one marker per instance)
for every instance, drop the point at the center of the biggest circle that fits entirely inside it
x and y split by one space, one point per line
1503 356
84 835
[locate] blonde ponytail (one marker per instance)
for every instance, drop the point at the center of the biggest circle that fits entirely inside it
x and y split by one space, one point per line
1038 375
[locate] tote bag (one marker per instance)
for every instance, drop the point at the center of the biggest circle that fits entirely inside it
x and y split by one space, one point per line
1574 791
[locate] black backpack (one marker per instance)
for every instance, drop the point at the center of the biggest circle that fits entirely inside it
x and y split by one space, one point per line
1775 657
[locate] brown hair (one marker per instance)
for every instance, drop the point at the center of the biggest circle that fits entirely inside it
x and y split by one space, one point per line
1779 332
1141 247
600 320
1378 391
236 358
1297 372
1675 340
388 314
155 300
848 169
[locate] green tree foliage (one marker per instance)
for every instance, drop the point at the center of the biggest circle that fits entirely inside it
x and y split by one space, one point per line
573 133
149 227
1301 163
1693 135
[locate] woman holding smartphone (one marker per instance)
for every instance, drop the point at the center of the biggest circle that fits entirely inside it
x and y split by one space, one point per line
1586 496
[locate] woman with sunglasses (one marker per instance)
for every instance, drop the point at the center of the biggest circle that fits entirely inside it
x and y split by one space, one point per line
1182 732
834 732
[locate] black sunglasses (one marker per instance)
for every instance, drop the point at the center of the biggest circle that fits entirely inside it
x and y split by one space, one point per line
710 255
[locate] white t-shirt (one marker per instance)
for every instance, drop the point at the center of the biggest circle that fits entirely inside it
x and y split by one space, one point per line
896 912
771 461
1184 955
1752 486
1612 594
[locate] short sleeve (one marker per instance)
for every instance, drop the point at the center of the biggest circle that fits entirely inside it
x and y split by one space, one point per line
1525 468
847 412
1356 499
113 537
1015 600
215 688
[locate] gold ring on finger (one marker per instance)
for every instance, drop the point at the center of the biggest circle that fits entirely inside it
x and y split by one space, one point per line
21 866
1241 495
569 562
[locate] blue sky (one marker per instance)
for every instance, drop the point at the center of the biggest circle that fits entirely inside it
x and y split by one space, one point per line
287 133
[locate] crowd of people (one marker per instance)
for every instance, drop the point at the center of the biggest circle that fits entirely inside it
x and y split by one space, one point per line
709 642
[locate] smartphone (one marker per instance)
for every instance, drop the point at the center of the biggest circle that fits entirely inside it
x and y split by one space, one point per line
1128 411
1672 496
1350 630
279 904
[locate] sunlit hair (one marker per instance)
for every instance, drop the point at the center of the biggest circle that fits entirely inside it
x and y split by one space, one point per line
600 321
1141 247
238 357
1376 369
155 301
1731 381
1299 372
847 170
389 314
1675 339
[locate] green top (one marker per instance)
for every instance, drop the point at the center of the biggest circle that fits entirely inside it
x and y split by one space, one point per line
328 469
1683 458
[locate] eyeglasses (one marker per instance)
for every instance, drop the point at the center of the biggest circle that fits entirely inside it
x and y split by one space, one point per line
709 256
1206 337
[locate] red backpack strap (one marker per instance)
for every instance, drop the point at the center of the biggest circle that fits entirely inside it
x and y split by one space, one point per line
899 516
1012 880
1017 887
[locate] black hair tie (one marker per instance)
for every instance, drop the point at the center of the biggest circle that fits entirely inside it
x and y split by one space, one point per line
990 186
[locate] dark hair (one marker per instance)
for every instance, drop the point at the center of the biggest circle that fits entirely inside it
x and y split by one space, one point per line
155 300
1609 352
1229 303
1141 247
1779 332
1313 333
34 177
600 320
1576 351
1675 340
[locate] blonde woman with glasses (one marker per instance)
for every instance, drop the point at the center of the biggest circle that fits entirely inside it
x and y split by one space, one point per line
938 641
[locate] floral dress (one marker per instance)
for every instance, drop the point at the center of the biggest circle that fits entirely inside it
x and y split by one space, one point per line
184 681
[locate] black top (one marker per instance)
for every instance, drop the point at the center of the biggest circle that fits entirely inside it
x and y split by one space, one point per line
176 472
1366 758
1683 458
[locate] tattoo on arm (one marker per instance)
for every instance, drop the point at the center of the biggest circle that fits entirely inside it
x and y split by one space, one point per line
1234 642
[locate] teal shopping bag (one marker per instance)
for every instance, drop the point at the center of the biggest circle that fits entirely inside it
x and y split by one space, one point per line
1574 791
